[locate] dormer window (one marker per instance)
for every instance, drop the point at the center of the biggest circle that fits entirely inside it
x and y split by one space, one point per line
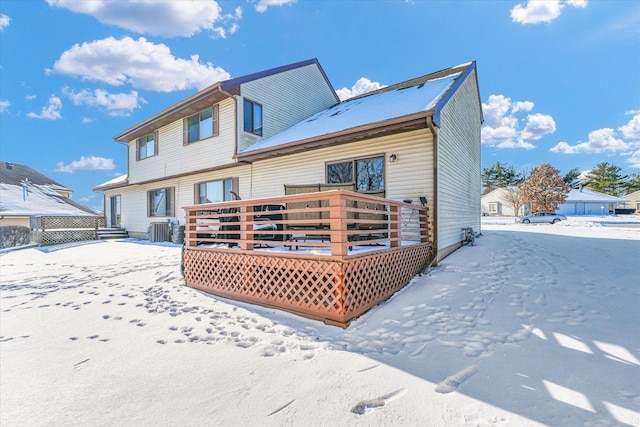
146 146
201 126
252 117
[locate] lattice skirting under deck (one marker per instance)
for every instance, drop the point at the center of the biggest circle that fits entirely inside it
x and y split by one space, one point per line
335 291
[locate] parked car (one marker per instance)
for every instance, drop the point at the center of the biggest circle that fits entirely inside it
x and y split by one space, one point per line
549 217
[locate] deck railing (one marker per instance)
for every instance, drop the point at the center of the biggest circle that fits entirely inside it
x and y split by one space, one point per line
338 220
335 282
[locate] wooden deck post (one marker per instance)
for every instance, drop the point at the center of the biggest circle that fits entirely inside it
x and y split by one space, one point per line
395 226
246 227
338 224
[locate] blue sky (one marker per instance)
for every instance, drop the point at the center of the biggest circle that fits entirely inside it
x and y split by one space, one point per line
559 79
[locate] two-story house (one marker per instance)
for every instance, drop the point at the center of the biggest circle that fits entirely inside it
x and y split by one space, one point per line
406 159
251 136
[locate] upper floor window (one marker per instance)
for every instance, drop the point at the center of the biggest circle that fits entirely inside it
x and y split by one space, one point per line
161 202
215 191
252 117
367 174
146 146
202 125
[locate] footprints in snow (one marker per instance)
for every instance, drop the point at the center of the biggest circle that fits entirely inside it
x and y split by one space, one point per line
451 383
367 405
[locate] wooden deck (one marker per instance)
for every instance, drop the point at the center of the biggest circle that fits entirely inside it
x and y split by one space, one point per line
329 256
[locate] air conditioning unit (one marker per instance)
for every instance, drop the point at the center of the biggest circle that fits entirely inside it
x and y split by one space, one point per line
159 232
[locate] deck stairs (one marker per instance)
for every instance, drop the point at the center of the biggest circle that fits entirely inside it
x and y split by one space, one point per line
112 233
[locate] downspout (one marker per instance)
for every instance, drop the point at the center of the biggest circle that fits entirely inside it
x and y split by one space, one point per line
434 132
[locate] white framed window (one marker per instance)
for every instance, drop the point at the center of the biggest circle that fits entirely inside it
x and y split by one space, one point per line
161 202
252 117
147 146
494 207
202 125
368 174
216 191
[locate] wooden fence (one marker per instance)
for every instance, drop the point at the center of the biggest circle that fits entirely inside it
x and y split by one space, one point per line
53 230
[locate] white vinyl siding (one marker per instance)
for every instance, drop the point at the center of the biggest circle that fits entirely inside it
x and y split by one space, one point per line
134 198
459 170
175 158
409 177
286 98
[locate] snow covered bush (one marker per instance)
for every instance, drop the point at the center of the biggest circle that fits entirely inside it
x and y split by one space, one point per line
14 235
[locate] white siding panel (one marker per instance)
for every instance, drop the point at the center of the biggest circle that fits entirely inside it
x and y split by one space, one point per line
409 177
287 98
134 197
174 158
459 184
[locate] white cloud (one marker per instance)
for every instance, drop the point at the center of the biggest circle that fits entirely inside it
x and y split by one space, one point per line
632 112
501 123
537 11
4 21
4 106
606 140
51 111
600 141
577 3
91 163
140 63
522 106
117 104
87 120
264 4
538 125
363 85
158 18
634 159
30 97
632 129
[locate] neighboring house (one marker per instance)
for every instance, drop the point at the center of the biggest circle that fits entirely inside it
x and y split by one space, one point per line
633 201
26 193
588 202
497 203
250 136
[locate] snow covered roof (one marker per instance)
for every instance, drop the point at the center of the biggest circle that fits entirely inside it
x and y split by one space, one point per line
33 200
590 196
113 183
16 174
426 94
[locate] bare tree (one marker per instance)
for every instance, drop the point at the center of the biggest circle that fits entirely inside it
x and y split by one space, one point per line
513 198
545 189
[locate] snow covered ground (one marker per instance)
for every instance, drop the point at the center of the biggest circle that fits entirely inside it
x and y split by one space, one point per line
534 325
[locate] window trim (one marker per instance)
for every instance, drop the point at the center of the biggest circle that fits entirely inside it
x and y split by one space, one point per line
354 178
215 125
155 148
253 129
196 187
172 202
